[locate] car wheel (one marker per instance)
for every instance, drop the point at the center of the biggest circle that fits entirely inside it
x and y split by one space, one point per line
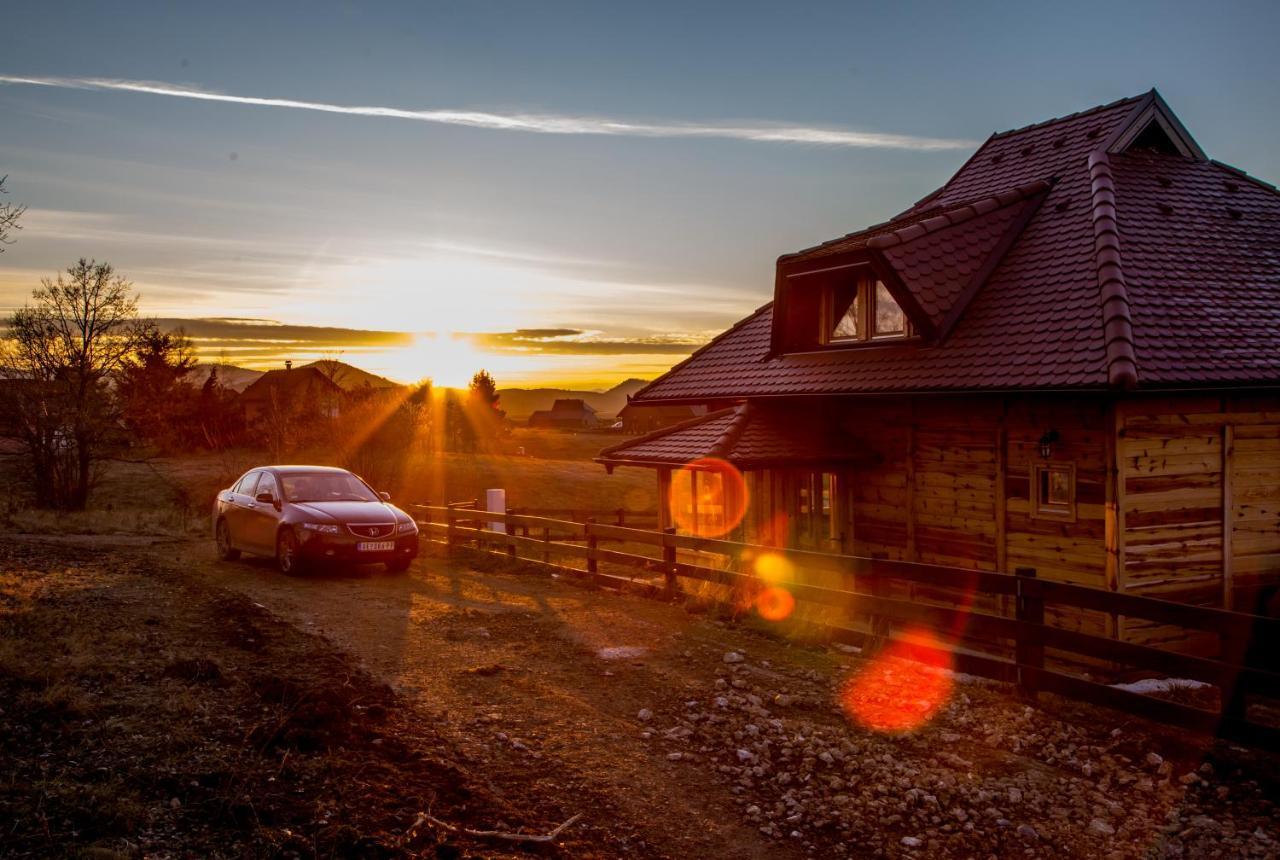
222 537
288 553
400 565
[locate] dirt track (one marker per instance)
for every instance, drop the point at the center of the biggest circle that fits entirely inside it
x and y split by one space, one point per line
509 666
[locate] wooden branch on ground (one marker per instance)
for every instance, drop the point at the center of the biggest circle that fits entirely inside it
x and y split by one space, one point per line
494 834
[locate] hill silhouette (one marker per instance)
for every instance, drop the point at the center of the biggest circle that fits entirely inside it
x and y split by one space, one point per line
232 377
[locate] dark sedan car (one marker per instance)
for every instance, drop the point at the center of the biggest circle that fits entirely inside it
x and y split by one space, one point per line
303 514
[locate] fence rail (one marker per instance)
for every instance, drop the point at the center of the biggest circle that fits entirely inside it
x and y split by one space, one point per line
1245 666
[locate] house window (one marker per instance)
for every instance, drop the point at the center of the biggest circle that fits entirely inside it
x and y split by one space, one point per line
697 502
816 525
862 312
890 321
1053 490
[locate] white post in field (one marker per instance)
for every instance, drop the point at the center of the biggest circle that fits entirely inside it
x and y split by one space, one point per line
495 502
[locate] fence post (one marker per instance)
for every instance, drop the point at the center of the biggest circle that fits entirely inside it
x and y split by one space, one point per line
450 537
593 566
669 561
511 544
1029 647
622 516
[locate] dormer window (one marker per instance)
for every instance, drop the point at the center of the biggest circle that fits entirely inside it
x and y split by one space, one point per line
863 311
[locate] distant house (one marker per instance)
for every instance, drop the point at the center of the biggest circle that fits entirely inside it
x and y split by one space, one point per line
566 414
647 417
1066 358
299 390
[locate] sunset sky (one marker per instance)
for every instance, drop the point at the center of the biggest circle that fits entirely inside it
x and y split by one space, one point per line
564 193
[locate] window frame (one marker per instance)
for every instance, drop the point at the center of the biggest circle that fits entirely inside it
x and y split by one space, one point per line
273 488
243 489
864 297
1041 507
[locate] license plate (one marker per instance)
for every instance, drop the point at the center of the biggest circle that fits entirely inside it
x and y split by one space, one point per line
376 546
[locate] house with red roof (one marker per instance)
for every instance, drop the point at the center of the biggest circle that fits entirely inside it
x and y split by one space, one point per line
1065 358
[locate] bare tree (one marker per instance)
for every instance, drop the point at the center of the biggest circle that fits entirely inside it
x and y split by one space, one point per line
62 352
9 215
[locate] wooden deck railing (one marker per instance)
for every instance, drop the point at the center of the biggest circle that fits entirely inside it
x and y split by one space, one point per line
1241 670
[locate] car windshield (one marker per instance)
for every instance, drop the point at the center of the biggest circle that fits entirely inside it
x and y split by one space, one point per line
326 487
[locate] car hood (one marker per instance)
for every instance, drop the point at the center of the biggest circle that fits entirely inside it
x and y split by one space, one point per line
354 513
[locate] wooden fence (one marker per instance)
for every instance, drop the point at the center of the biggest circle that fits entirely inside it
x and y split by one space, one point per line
1244 668
613 516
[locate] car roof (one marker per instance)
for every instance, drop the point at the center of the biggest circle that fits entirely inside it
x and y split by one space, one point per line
300 470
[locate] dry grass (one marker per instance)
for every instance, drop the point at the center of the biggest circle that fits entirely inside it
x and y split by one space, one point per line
143 716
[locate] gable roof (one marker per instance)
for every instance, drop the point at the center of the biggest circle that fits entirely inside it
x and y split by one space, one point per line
1052 259
293 382
571 405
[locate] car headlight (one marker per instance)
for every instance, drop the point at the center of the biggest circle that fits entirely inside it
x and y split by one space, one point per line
407 528
323 528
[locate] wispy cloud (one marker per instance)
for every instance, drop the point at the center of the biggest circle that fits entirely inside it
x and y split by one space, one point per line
526 122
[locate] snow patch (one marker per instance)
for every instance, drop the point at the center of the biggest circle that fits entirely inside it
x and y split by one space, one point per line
1160 685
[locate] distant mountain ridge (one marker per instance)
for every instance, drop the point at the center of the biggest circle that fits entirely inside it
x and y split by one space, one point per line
520 403
234 378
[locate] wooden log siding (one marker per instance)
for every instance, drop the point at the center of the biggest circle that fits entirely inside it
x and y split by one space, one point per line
1201 516
861 595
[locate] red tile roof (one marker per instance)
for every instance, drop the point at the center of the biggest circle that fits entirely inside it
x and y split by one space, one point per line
1124 268
748 436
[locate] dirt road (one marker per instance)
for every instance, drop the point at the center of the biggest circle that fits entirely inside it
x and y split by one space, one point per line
545 682
512 668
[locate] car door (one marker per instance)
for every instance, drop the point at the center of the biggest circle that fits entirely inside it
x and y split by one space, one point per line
238 512
263 516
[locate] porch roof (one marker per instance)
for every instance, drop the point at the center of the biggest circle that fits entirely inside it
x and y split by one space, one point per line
748 436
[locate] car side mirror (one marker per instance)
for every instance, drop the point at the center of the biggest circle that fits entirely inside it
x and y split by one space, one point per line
265 498
385 496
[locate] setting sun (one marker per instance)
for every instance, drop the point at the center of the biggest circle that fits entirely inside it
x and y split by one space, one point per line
447 360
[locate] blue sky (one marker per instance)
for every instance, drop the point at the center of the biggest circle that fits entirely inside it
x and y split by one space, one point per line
628 248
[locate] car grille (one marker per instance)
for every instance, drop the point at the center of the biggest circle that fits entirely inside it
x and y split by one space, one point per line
380 530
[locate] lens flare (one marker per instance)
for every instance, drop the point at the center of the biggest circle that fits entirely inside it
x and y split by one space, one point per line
775 603
708 497
774 568
903 687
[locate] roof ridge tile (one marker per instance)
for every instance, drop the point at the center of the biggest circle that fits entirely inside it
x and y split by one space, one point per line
732 433
1117 319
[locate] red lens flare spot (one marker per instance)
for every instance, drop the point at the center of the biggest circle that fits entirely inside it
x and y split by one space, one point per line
775 603
708 497
903 687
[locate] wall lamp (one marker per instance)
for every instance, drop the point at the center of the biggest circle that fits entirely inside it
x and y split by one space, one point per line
1047 441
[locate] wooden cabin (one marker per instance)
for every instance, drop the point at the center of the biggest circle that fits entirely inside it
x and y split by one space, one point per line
566 414
1065 358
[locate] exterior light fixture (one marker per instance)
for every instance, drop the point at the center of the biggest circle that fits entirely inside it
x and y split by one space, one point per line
1047 441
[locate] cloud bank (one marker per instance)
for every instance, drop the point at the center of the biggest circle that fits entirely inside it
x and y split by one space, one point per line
525 122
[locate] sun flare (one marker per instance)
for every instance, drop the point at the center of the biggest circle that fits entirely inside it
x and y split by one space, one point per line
447 360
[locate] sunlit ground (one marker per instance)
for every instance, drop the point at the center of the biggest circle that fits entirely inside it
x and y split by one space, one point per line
903 686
